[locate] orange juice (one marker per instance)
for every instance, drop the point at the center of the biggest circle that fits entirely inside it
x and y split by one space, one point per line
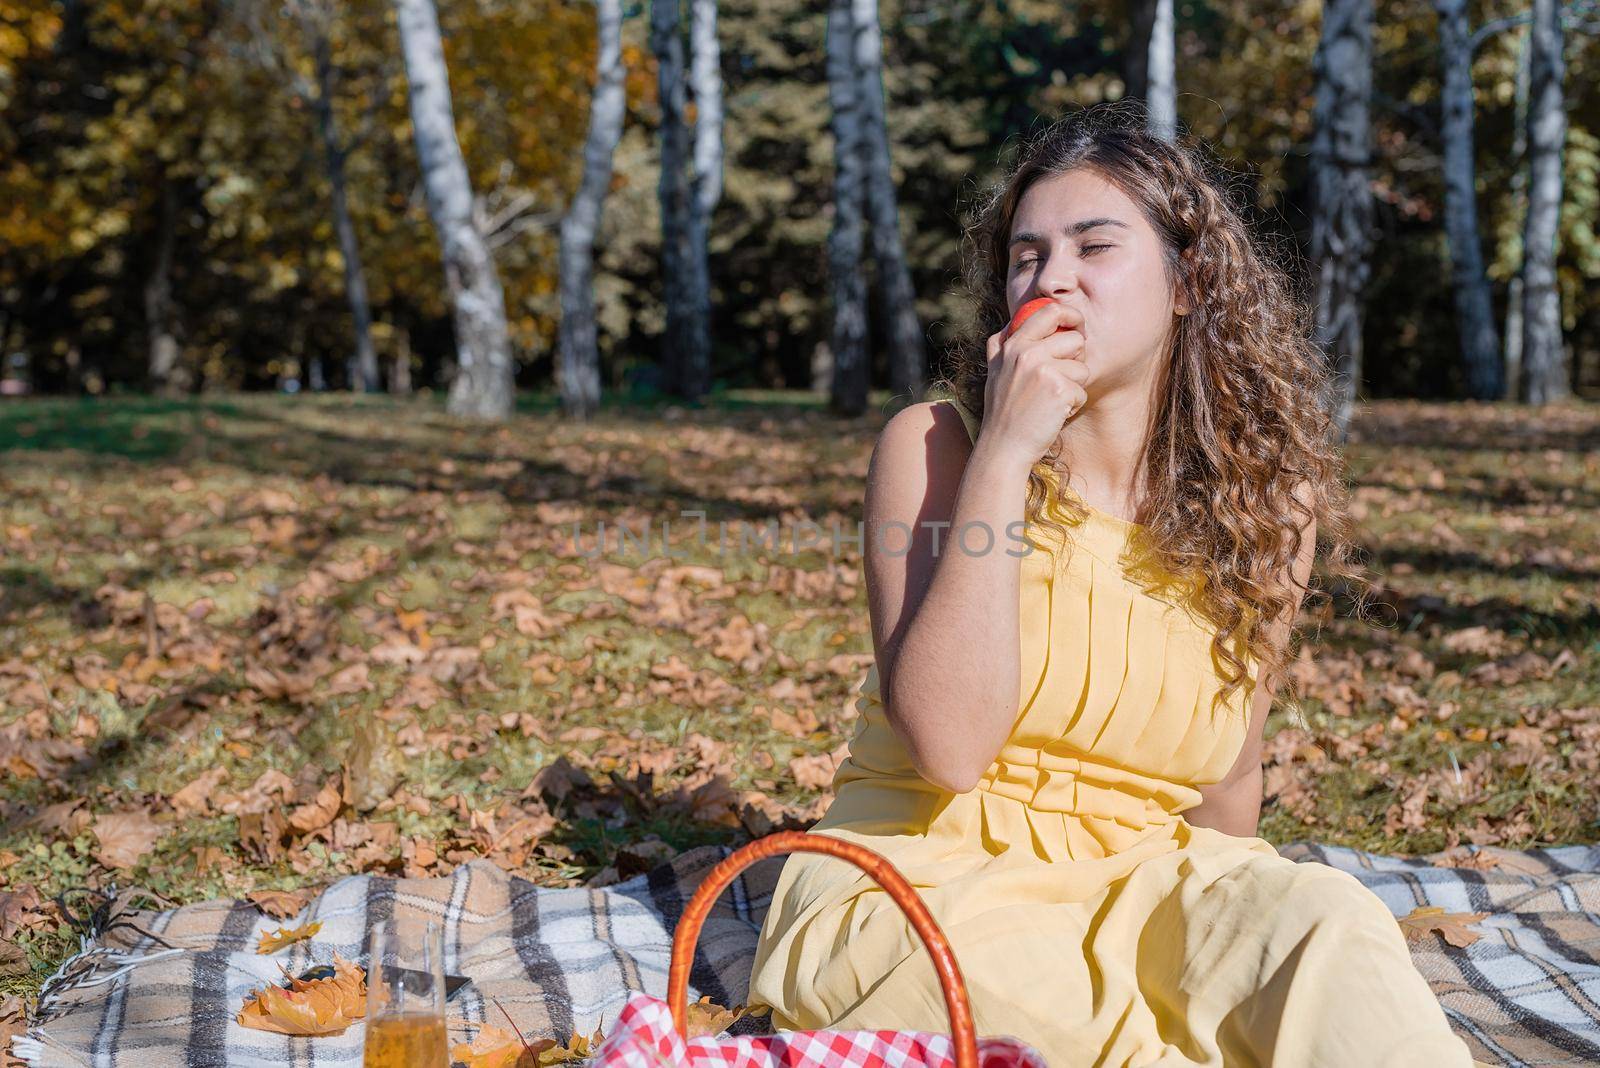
406 1040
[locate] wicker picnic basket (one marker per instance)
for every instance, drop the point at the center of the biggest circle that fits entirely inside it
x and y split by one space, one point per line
651 1033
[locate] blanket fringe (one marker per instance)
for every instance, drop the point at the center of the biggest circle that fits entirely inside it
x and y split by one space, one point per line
30 1049
92 966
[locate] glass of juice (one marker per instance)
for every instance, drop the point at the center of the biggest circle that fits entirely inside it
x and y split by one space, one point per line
405 996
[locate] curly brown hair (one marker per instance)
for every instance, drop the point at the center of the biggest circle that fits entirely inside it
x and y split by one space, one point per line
1241 451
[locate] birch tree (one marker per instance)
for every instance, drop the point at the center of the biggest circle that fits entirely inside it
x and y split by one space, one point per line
484 382
578 346
907 351
850 366
672 192
1161 71
1341 222
705 78
166 375
1545 376
1480 342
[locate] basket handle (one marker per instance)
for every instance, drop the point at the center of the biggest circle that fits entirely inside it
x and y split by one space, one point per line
963 1036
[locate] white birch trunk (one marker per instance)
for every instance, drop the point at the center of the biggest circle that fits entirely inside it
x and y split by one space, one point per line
579 352
1341 222
1545 375
1161 75
850 366
705 80
1480 342
485 377
907 351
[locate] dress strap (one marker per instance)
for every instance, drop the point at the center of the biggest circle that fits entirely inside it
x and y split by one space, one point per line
967 418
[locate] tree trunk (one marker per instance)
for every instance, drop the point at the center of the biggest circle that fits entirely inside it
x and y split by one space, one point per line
673 194
485 381
166 377
1480 342
400 368
907 350
1341 222
1543 359
579 344
1512 383
822 367
1162 76
363 369
1136 56
850 366
705 77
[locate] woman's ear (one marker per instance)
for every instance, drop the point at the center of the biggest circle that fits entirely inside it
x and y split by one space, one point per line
1180 303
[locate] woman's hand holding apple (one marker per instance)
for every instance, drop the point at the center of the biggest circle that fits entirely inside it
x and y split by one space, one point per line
1036 378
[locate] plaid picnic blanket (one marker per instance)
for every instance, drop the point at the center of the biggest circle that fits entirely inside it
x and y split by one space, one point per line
1528 991
162 988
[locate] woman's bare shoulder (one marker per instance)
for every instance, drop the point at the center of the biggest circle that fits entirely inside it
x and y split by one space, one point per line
919 458
928 426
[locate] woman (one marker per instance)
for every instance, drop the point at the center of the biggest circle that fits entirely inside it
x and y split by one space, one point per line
1062 749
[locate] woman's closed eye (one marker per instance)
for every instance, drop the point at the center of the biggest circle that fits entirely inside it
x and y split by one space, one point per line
1087 251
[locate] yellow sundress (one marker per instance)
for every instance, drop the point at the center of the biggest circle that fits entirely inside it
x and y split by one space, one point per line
1087 916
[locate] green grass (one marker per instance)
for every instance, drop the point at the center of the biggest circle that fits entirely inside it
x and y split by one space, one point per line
295 533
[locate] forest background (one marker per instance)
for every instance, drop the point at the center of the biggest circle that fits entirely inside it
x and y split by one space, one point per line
272 612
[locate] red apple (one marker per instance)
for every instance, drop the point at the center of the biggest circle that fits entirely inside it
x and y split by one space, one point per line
1026 310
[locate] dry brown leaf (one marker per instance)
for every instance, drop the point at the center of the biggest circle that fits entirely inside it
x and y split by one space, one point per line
1452 926
280 904
309 1007
196 798
495 1047
13 1022
125 837
706 1017
577 1048
816 772
273 941
271 790
352 678
64 818
1480 860
13 961
21 909
320 810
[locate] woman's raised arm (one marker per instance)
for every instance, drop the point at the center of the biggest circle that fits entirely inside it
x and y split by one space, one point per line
944 620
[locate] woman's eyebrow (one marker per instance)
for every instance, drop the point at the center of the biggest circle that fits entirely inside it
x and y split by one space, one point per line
1079 227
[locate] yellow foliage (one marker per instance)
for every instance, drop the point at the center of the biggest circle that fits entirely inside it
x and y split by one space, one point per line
273 941
309 1007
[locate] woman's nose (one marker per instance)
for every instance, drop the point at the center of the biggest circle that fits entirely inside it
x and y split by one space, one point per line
1055 281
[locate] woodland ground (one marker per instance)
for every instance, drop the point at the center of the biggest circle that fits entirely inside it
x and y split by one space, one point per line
253 643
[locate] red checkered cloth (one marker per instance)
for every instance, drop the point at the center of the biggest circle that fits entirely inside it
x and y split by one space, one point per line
645 1038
